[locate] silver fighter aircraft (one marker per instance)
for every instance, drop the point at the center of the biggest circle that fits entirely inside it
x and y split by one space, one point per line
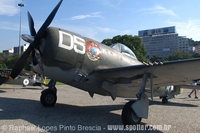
25 78
78 61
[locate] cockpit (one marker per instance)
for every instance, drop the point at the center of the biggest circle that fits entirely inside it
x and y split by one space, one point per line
123 49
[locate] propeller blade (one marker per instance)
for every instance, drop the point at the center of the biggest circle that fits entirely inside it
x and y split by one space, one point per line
41 31
3 79
20 63
31 24
22 60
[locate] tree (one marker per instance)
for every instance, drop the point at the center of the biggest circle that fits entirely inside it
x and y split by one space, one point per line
3 65
107 42
192 42
10 62
27 65
196 55
3 57
179 55
155 58
133 42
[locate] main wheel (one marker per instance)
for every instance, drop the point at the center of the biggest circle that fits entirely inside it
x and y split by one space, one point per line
48 98
129 117
164 100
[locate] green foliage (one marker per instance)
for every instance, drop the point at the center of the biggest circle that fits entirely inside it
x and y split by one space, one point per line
107 42
27 65
57 83
3 58
196 55
192 42
179 55
2 65
133 42
9 61
156 58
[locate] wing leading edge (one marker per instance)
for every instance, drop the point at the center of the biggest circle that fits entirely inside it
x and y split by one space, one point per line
169 73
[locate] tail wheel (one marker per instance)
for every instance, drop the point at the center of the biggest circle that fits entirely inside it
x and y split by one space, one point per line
48 98
129 117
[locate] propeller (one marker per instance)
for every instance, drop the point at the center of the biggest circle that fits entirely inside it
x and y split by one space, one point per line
34 40
31 24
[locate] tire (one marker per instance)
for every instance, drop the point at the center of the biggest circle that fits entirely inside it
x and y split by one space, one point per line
129 117
48 98
164 100
25 82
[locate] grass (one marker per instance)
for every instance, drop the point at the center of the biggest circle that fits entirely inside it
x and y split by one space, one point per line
57 83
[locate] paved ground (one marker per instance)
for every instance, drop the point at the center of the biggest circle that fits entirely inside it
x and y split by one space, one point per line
76 111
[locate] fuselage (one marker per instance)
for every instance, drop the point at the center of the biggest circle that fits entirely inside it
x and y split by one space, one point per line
70 58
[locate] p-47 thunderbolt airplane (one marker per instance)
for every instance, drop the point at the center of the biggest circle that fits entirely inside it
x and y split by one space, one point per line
91 66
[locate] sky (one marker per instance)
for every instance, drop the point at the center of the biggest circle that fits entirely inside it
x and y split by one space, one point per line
99 19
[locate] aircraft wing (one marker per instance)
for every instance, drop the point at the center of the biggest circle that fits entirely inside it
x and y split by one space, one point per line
187 86
26 73
169 73
4 73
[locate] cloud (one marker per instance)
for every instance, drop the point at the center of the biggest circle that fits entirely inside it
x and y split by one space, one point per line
9 7
8 25
91 15
158 10
189 28
107 30
81 30
111 3
5 25
114 31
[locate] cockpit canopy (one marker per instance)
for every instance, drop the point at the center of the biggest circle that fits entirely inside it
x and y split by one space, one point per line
123 49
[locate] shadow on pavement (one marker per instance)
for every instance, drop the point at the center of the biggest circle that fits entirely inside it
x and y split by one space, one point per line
62 115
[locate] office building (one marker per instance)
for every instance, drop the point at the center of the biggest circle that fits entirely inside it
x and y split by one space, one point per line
163 41
15 50
8 52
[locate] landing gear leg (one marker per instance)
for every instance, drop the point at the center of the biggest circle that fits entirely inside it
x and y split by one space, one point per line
134 111
48 97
